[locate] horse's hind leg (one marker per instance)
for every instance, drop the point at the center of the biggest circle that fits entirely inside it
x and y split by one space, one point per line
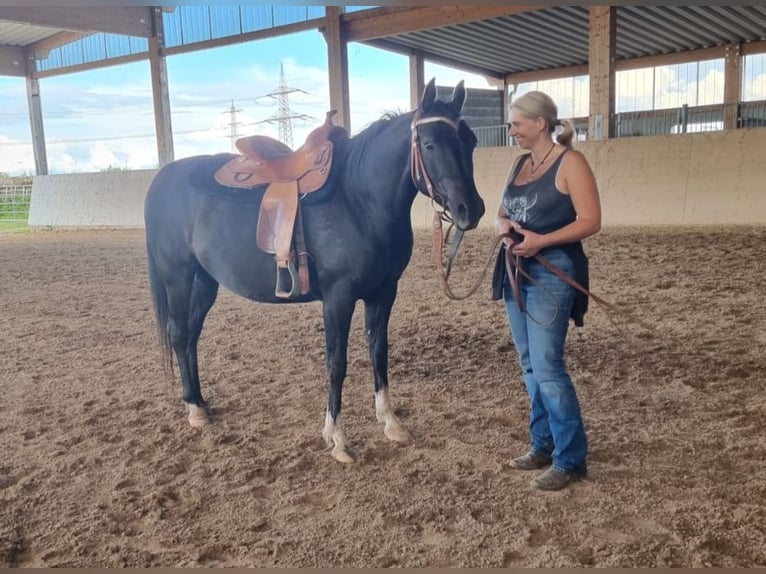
190 297
377 312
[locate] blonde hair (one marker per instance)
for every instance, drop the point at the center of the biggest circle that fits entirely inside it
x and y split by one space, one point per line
535 105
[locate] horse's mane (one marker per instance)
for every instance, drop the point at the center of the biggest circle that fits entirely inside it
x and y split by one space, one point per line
361 142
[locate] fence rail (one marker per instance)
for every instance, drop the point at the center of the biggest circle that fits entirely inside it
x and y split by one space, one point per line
682 120
14 202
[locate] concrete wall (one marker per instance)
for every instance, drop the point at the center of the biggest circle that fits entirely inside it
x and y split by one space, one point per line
707 178
693 179
106 199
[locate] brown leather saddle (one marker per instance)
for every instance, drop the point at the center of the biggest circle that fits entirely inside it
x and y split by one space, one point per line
289 175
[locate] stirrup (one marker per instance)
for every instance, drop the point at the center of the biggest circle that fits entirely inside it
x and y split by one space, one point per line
287 283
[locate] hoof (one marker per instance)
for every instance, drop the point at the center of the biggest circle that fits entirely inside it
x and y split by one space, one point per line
344 455
397 433
198 417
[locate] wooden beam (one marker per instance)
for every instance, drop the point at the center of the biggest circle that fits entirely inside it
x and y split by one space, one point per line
43 47
160 92
751 48
337 64
732 86
127 20
13 61
417 79
118 61
435 58
390 21
550 74
602 44
668 59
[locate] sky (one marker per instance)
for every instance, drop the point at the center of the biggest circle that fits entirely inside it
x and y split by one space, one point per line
94 119
103 118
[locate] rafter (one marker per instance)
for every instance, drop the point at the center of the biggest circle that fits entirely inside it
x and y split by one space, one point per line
127 20
12 61
390 21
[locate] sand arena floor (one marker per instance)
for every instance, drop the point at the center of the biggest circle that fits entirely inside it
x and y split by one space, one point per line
98 466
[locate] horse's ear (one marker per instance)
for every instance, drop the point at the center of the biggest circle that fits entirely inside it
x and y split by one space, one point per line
429 95
458 98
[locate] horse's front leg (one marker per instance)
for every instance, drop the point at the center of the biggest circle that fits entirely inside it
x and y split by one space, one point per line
377 312
338 309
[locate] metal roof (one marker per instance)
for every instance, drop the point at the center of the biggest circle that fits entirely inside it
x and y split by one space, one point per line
541 39
558 37
22 35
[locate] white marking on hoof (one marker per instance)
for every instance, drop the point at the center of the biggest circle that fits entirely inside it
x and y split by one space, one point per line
394 429
335 437
344 455
198 417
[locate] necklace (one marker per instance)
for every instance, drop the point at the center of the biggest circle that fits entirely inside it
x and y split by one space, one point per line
533 168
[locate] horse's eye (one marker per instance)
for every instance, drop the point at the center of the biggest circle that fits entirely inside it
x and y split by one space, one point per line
429 146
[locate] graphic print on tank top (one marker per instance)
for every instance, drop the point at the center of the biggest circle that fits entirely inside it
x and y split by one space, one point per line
518 207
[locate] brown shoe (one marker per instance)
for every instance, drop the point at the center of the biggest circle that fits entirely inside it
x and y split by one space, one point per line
530 461
553 479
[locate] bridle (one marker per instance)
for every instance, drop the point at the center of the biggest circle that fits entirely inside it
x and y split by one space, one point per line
439 204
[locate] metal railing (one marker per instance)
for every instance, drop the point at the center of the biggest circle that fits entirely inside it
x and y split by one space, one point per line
497 136
682 120
14 202
690 119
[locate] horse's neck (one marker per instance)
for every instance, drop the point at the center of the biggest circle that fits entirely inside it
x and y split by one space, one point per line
378 177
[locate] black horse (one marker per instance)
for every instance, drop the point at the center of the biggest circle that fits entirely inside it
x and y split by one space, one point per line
200 235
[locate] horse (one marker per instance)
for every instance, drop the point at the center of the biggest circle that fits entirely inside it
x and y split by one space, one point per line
357 229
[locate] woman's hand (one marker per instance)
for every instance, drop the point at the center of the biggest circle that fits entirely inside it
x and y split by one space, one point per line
502 226
532 244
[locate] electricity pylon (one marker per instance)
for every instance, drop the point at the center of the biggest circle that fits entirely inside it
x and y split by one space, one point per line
284 116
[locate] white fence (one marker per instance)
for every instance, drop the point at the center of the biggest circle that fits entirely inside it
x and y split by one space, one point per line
14 202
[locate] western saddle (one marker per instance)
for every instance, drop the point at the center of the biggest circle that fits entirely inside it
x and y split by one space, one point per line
288 174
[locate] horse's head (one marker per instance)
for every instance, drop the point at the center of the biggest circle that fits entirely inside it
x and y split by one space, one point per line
442 156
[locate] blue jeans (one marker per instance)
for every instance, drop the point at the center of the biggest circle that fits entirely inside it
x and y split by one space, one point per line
555 423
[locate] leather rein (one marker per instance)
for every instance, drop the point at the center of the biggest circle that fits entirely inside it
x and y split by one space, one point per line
513 264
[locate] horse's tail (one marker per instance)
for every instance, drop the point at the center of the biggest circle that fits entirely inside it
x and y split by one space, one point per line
160 303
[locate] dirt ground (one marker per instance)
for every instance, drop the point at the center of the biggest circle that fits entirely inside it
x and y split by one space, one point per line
98 466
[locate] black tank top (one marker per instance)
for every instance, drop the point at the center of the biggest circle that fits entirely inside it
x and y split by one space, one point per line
538 205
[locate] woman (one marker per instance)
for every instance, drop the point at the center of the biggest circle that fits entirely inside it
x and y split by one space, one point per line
552 201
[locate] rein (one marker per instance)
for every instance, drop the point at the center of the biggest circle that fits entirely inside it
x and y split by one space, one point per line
514 269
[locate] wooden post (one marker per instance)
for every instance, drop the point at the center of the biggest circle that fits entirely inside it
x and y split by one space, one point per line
36 117
337 63
163 124
417 79
732 86
602 40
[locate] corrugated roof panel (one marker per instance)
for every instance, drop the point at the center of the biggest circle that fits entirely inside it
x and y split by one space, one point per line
225 21
15 34
558 37
256 18
190 24
92 48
